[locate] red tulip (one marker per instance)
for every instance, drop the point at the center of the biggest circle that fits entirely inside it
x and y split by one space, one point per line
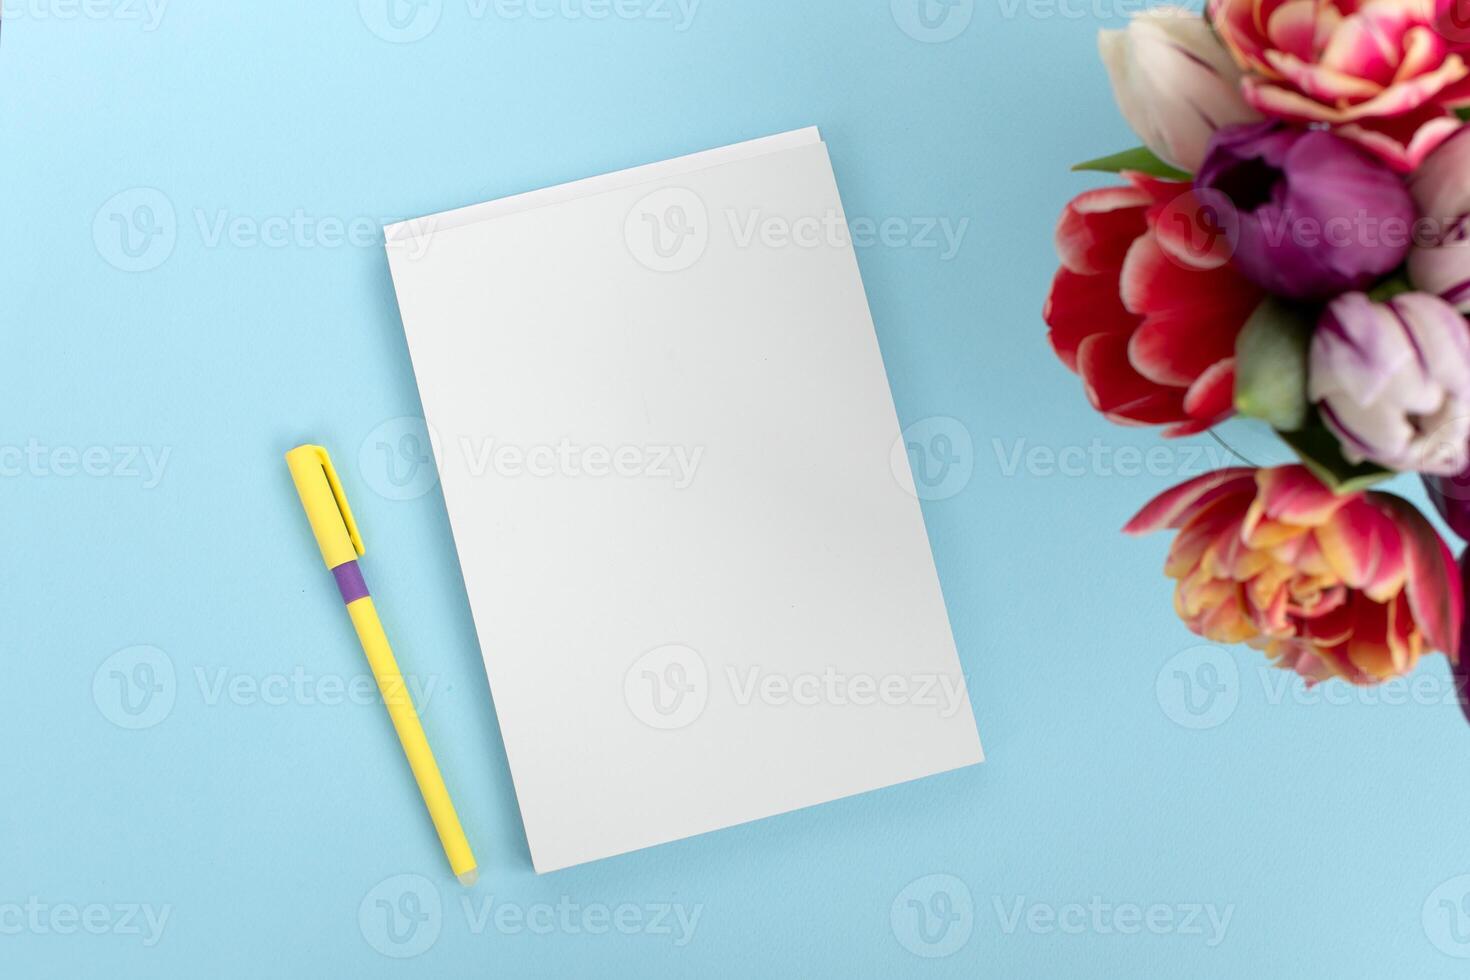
1146 307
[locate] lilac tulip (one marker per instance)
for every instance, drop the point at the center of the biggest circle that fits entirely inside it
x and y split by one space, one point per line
1440 261
1392 381
1311 216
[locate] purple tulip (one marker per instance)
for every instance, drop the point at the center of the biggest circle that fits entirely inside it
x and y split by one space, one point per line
1310 215
1392 381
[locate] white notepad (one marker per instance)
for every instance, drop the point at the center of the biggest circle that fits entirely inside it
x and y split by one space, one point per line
703 590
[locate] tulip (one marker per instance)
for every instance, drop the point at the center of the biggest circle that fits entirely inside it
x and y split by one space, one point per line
1392 381
1441 265
1451 497
1383 73
1175 83
1145 314
1440 260
1311 215
1355 585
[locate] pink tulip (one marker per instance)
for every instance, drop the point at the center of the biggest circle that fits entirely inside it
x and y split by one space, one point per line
1355 586
1384 73
1175 83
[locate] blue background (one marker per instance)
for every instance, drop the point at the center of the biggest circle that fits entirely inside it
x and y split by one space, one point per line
1333 833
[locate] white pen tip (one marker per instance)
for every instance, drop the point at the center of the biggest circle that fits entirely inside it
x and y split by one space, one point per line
468 878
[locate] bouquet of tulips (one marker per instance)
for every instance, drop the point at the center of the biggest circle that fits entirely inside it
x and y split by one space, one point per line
1291 244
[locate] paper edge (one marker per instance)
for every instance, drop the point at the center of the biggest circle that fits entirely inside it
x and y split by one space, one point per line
411 229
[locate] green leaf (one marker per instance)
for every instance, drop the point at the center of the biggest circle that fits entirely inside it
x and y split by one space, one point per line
1463 113
1141 159
1271 364
1394 285
1271 358
1321 453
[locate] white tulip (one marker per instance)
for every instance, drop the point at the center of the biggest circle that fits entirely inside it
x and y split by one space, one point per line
1175 83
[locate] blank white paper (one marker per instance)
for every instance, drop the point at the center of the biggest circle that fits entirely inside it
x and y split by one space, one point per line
665 438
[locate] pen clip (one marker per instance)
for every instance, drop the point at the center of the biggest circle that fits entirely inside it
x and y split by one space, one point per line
341 498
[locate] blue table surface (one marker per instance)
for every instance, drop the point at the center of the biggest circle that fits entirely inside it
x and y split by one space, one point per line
192 281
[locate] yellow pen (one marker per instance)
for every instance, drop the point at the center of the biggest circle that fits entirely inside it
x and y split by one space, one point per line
341 544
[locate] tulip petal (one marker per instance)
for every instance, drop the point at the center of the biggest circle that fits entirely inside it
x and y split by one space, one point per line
1349 540
1392 573
1320 83
1120 392
1211 523
1405 141
1370 45
1347 101
1438 186
1368 646
1444 269
1241 31
1331 629
1433 586
1098 226
1212 396
1293 495
1079 307
1423 49
1292 27
1176 347
1172 507
1409 94
1155 281
1404 639
1282 102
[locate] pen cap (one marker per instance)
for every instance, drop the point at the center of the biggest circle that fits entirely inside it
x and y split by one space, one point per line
325 504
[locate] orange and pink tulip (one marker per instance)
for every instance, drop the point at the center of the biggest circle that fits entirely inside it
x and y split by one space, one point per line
1384 73
1357 586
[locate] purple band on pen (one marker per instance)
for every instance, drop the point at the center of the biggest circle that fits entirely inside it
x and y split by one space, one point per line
350 582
